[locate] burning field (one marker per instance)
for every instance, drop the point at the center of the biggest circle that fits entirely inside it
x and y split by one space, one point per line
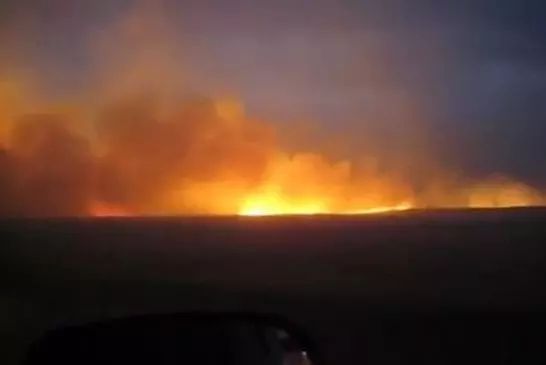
151 151
203 157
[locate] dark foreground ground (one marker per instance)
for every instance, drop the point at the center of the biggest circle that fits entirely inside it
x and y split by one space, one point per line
332 271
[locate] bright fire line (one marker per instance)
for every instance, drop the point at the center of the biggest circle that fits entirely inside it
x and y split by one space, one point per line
259 209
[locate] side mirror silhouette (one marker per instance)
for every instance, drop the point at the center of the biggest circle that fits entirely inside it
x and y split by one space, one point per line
196 339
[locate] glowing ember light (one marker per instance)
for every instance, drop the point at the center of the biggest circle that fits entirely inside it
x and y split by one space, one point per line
264 208
273 203
276 204
383 209
98 209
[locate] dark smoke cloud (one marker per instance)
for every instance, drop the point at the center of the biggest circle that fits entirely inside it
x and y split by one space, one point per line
46 170
50 170
429 86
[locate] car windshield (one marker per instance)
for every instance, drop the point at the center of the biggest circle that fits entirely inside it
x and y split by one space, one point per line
116 108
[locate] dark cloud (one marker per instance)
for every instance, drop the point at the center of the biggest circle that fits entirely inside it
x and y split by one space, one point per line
493 96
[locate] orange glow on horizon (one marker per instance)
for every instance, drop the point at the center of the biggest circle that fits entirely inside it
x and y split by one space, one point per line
103 210
262 209
144 138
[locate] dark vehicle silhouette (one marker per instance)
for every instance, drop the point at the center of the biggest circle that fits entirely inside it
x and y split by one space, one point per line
445 287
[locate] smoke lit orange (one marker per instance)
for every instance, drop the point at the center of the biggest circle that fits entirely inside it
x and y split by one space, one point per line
98 209
204 157
137 148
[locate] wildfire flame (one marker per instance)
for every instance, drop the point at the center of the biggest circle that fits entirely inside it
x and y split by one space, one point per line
132 153
384 209
229 164
98 209
274 205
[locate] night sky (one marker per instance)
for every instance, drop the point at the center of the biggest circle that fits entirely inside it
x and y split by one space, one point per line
470 75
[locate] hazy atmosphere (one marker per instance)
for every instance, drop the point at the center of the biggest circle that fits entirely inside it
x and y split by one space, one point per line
270 107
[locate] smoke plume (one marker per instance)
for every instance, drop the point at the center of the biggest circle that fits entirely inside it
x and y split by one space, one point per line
139 142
